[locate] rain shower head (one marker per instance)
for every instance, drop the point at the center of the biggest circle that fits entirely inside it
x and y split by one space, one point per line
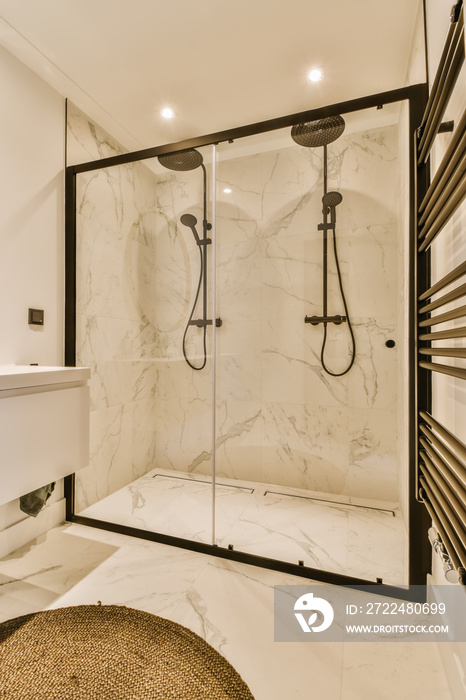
190 159
318 133
332 199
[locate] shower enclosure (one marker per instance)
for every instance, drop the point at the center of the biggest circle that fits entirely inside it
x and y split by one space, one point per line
242 302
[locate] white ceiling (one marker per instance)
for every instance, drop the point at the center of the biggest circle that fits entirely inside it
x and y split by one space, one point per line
219 64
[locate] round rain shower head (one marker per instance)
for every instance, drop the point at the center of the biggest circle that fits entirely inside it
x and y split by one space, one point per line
332 199
190 159
318 133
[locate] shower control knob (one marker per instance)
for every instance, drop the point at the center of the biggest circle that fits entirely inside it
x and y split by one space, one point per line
390 343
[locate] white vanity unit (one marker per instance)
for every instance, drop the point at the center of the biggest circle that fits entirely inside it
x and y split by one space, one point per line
44 426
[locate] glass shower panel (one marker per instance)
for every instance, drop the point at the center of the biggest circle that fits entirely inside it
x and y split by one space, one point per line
142 296
307 461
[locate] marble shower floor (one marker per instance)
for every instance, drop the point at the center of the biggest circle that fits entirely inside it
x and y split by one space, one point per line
228 604
348 536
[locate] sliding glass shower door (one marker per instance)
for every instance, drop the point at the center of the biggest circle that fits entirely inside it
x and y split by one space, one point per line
309 411
242 308
143 293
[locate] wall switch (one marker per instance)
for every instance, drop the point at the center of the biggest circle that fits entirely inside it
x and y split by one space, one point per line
36 317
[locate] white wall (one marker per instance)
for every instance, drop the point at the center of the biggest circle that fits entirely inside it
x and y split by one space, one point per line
31 246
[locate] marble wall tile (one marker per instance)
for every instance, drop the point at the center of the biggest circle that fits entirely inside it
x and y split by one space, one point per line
85 140
281 419
366 163
239 285
364 167
116 320
373 454
291 183
239 360
102 195
244 203
110 465
239 439
144 454
176 379
100 265
372 381
116 350
292 276
291 367
306 446
183 427
371 269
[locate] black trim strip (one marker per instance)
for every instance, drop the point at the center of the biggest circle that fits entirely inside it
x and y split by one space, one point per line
420 385
70 268
257 128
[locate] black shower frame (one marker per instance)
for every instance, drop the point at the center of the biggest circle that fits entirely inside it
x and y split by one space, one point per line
419 384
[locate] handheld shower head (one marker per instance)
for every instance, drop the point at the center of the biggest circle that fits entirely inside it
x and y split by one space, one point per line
190 221
332 199
318 133
189 159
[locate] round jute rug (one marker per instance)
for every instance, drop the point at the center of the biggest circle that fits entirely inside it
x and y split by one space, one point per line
110 652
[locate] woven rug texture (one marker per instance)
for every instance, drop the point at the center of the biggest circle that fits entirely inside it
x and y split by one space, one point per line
110 652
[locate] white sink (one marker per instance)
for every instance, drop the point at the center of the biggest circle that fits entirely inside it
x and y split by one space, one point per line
44 426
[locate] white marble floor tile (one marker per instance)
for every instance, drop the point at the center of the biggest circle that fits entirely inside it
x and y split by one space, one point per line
269 521
227 603
292 529
376 546
41 572
233 611
393 670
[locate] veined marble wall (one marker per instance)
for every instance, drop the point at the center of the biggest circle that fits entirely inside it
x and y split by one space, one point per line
115 310
280 418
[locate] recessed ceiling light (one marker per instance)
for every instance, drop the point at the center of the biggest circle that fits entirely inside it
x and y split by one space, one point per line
167 113
315 75
227 190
